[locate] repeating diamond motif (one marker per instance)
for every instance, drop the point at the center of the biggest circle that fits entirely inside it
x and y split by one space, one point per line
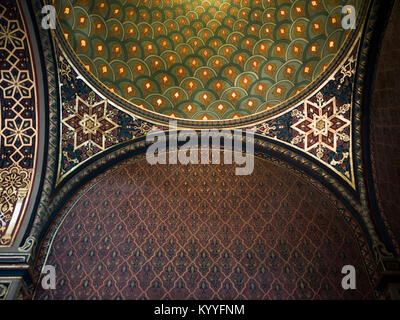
200 232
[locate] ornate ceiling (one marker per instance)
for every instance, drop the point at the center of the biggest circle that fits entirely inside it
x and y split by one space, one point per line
79 99
205 60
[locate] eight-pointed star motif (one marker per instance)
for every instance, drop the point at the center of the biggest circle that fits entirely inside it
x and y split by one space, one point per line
319 125
16 84
90 123
18 132
11 35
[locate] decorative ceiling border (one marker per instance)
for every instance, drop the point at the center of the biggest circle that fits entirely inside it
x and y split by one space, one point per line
39 220
19 120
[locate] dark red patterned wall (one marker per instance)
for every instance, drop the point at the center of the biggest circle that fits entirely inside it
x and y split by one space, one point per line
385 123
183 232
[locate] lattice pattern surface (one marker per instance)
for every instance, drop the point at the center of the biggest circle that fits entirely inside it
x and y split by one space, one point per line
201 232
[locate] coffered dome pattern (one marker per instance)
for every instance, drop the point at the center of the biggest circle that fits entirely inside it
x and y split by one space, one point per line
204 60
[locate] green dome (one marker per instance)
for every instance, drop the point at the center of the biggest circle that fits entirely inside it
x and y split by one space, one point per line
204 60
